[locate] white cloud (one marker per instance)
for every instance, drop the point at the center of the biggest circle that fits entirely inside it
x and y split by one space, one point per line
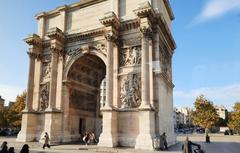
9 93
216 8
226 95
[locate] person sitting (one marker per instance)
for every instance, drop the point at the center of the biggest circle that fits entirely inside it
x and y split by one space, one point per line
25 149
86 138
4 147
11 150
187 146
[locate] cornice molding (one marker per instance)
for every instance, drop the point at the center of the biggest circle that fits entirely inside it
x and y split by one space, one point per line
166 31
129 25
56 11
166 79
145 10
169 9
84 35
34 40
110 19
56 33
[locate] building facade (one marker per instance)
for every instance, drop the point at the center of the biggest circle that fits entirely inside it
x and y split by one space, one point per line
221 111
120 50
1 104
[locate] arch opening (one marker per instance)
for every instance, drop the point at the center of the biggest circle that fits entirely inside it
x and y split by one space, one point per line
86 95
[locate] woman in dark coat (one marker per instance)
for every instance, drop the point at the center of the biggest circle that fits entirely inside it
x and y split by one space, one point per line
187 146
4 147
25 149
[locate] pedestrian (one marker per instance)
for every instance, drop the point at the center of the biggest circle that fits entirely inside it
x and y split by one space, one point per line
187 146
11 150
46 141
25 149
4 147
86 138
164 139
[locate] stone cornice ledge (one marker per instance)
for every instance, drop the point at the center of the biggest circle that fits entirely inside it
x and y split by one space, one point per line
110 19
81 4
169 9
144 10
84 35
166 31
34 40
165 77
56 33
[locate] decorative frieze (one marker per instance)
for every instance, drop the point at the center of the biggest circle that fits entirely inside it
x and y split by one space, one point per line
130 56
130 91
135 41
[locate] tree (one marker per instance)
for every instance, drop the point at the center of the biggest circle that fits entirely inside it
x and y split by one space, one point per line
15 111
234 120
204 115
11 117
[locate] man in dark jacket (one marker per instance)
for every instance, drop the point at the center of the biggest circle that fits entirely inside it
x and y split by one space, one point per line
187 146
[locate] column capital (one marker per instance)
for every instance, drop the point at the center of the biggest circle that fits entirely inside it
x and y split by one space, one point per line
111 36
146 31
34 55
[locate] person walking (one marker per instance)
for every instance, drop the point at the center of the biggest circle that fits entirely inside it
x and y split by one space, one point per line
46 141
25 149
4 147
187 146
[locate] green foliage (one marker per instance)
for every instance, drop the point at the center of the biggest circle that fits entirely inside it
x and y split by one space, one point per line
11 117
234 118
204 115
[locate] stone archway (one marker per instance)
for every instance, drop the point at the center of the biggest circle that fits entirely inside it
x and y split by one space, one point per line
84 80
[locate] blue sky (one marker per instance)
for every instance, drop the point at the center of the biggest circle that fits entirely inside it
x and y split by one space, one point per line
206 60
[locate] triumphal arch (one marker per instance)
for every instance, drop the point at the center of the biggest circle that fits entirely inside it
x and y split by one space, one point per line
102 66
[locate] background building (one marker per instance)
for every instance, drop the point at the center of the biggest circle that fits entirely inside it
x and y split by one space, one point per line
182 117
1 104
221 111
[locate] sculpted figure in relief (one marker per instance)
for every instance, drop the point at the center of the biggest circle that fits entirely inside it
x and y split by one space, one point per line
44 96
130 56
130 94
46 71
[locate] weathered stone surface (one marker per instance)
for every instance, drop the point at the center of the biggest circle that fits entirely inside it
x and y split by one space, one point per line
116 52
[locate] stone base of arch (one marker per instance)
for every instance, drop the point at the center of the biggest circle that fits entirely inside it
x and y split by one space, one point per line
28 128
108 137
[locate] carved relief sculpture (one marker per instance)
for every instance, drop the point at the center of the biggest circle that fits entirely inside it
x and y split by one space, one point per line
46 72
130 56
44 96
130 93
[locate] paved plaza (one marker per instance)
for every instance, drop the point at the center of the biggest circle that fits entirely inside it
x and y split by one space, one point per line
219 144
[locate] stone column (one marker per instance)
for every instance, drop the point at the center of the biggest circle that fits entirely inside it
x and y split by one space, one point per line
29 117
53 80
30 86
109 74
145 70
54 117
144 140
108 137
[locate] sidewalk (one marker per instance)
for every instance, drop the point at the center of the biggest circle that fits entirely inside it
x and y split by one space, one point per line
219 144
